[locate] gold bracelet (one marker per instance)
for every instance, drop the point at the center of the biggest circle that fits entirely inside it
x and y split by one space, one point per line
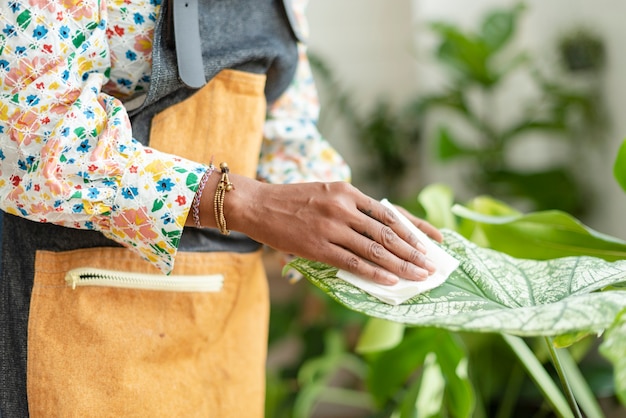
223 186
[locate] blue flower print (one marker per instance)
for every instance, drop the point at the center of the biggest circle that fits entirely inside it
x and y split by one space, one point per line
132 56
124 82
14 5
32 100
129 192
78 208
9 30
167 219
40 32
64 31
93 193
4 65
20 50
84 146
138 18
165 185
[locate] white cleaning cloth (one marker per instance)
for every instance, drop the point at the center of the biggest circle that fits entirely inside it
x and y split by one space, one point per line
406 289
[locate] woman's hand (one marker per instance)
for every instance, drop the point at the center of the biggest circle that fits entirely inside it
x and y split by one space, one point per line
333 223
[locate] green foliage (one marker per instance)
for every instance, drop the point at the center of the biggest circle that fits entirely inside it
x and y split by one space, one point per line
565 293
480 64
619 167
614 347
493 292
539 235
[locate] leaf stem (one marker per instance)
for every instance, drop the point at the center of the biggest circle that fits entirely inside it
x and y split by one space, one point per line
569 394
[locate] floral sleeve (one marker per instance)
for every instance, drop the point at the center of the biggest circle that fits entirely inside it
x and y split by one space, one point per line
293 149
67 155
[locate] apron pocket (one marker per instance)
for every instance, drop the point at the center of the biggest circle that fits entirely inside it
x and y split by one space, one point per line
102 351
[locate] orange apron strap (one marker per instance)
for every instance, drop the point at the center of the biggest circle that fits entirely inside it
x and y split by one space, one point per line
223 120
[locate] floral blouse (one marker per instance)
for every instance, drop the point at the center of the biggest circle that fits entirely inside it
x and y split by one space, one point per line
67 154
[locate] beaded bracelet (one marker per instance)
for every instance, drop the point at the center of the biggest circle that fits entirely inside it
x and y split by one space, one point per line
195 205
223 186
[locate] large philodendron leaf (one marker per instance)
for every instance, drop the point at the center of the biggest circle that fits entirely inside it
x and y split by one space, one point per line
493 292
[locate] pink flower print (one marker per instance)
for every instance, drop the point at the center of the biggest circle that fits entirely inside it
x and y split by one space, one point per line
24 127
26 70
135 224
81 8
143 43
43 4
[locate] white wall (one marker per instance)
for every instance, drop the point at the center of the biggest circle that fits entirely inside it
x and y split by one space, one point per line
370 43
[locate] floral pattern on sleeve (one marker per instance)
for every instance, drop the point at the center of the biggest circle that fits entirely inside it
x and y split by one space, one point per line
67 155
293 149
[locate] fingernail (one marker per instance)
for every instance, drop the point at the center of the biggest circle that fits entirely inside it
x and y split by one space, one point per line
430 266
392 279
419 273
420 247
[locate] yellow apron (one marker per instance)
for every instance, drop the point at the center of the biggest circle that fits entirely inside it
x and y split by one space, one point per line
98 351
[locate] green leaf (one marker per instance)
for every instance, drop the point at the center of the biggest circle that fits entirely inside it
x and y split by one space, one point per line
569 339
453 360
379 335
392 370
78 38
582 392
499 26
493 292
447 148
24 19
430 398
192 179
619 168
613 347
554 188
158 204
437 201
539 375
540 235
80 132
464 54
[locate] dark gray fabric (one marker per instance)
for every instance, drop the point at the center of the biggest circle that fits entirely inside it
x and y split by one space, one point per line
249 35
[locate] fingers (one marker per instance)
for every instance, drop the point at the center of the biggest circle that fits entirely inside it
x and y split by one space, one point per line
377 211
422 225
349 261
379 247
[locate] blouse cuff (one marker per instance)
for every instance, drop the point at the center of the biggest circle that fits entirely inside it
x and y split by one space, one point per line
148 215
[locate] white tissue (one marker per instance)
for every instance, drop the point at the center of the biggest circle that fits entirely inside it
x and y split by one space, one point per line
406 289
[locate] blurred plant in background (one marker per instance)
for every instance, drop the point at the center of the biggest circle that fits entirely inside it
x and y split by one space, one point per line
343 364
389 136
567 106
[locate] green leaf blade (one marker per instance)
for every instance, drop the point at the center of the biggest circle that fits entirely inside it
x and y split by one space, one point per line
493 292
619 167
